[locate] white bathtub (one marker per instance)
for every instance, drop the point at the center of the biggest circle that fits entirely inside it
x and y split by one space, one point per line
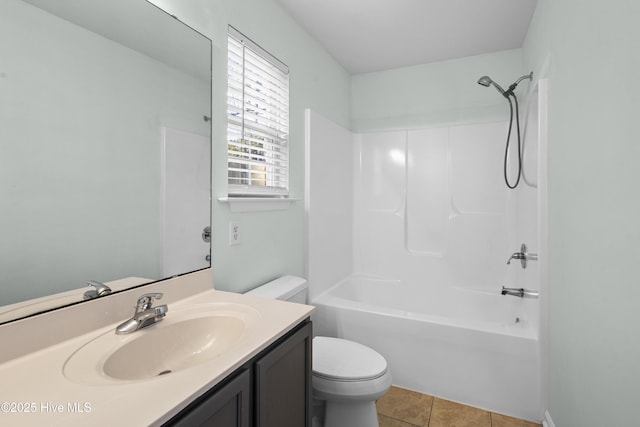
471 347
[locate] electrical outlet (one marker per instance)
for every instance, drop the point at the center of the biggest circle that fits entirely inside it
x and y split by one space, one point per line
234 233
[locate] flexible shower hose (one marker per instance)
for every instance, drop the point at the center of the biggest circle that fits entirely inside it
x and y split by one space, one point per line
506 149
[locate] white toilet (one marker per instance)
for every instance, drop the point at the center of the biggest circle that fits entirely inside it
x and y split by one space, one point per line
347 375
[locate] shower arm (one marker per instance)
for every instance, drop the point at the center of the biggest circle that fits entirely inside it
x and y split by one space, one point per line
515 84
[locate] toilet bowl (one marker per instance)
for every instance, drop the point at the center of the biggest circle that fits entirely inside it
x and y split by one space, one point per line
350 377
347 375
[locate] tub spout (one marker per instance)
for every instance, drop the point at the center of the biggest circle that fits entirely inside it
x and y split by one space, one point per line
519 292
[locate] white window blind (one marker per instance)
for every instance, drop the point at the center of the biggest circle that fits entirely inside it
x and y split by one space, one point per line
258 120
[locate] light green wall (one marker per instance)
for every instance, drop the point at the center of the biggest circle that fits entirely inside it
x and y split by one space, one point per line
80 153
272 242
592 49
439 93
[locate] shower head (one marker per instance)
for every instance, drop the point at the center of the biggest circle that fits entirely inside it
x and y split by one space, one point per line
486 82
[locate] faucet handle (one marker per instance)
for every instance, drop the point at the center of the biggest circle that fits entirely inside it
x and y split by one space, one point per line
516 255
153 295
523 256
146 301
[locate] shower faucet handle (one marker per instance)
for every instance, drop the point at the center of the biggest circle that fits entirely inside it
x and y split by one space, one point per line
523 256
515 255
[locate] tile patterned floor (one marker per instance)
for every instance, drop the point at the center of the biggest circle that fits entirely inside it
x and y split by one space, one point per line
406 408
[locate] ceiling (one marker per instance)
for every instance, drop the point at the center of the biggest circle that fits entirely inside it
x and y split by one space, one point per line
375 35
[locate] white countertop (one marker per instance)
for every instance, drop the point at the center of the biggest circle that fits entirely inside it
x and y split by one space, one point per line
34 390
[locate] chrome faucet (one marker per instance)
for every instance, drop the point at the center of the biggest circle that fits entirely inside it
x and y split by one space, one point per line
144 315
100 290
523 256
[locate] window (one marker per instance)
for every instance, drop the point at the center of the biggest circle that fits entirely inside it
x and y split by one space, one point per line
257 120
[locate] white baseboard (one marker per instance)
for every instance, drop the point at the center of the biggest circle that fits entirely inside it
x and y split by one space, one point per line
547 422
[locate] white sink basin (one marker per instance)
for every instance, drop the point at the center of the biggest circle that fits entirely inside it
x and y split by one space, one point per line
185 338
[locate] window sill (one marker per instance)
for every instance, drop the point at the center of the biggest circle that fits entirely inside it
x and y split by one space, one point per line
257 204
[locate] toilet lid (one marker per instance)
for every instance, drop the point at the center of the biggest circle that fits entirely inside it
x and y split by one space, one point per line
344 360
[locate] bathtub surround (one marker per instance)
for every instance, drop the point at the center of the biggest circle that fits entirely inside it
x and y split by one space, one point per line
444 209
329 213
433 226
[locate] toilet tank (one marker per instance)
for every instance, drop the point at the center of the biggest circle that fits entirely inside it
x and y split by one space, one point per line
287 288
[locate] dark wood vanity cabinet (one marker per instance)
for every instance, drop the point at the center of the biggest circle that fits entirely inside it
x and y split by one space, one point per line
282 382
225 405
271 390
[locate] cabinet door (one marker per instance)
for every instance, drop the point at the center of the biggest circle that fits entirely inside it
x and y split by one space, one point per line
227 406
283 383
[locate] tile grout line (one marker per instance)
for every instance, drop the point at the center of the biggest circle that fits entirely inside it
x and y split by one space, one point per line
433 399
398 419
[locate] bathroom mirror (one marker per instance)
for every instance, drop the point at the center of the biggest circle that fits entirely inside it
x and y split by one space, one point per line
104 149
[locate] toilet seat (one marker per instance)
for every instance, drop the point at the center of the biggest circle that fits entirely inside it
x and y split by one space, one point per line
342 360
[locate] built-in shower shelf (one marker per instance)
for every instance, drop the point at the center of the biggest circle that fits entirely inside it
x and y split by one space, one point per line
256 204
